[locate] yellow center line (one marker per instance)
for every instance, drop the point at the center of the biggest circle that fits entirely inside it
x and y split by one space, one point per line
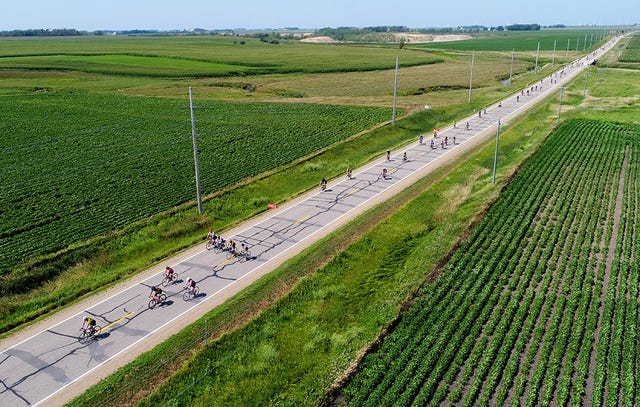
115 322
352 191
302 219
222 263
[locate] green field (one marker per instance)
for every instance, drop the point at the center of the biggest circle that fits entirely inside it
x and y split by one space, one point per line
527 41
514 318
80 167
210 56
632 52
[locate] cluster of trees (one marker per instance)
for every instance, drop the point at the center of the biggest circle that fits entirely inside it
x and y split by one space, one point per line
523 27
57 32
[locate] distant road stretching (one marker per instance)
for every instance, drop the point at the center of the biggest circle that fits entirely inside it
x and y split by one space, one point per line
35 370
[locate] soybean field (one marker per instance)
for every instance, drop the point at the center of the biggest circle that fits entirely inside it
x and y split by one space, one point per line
539 305
78 165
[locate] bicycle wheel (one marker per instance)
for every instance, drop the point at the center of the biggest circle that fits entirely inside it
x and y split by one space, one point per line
208 245
217 249
230 254
152 303
96 330
186 296
196 291
165 282
83 336
163 298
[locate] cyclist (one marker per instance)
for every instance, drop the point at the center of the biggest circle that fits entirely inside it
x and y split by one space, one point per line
323 184
421 138
348 172
191 286
155 293
388 155
404 157
169 273
211 236
89 323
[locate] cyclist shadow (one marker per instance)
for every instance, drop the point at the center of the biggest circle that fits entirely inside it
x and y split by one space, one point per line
167 303
102 335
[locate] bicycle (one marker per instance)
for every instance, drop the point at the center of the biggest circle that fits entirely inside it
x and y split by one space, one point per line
189 294
153 302
243 254
88 333
172 279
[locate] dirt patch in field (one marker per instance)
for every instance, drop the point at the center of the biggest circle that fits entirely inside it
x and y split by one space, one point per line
425 38
319 40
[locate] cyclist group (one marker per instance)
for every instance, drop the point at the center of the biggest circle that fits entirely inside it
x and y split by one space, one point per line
219 244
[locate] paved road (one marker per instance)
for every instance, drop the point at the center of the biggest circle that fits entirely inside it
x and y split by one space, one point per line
43 365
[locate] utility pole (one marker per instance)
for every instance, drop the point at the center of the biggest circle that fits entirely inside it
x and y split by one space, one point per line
195 152
560 105
577 45
535 70
566 54
553 59
584 46
511 69
473 60
395 90
495 154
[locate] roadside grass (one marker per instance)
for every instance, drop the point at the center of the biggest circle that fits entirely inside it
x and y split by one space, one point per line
345 289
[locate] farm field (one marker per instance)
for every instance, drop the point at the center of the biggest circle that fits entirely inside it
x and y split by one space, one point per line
632 51
527 41
199 56
539 305
78 168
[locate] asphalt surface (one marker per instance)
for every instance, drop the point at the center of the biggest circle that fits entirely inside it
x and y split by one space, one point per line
38 369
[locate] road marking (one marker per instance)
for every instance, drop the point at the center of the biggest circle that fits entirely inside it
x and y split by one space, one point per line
114 322
299 221
352 191
224 262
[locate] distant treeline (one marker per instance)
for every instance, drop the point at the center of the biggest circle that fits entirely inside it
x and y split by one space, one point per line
57 32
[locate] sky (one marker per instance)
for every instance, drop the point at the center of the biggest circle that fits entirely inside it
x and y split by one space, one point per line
259 14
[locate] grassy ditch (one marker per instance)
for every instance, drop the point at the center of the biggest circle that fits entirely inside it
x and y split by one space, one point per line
339 294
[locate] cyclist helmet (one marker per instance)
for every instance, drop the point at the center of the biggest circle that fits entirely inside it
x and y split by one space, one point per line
167 268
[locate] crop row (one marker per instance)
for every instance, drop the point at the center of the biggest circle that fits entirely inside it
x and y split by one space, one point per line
532 297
